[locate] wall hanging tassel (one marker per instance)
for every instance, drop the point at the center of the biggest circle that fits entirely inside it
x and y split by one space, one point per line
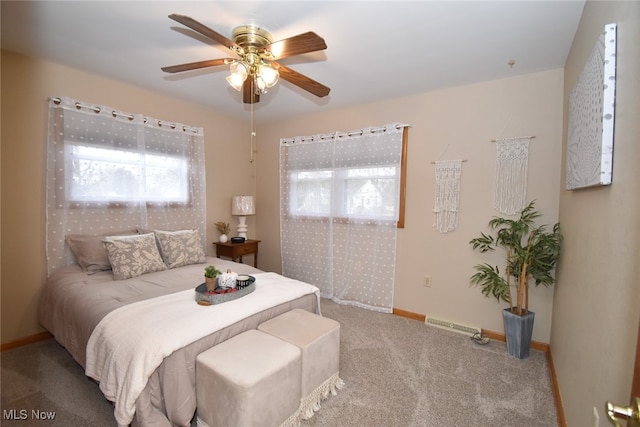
447 200
512 160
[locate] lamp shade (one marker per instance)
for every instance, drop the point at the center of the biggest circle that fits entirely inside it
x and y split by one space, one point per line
242 205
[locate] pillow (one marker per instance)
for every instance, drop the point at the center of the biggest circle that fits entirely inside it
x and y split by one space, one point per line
90 253
179 248
133 256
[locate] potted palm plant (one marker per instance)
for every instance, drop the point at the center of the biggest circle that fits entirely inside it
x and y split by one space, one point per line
531 254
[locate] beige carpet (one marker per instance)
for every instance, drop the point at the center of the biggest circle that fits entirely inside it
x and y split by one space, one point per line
401 372
398 372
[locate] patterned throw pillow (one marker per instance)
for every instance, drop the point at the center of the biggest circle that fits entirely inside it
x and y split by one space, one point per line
179 248
133 256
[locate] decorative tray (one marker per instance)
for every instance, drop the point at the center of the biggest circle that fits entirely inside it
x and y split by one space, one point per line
244 287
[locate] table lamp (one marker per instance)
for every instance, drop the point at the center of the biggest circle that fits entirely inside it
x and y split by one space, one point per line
241 206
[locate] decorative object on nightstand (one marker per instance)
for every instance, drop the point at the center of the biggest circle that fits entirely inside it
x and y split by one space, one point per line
224 229
241 206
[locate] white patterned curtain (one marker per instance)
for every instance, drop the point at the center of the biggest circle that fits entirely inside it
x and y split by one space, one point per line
339 208
447 200
110 172
512 161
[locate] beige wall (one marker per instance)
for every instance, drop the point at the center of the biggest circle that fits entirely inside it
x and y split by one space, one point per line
597 298
449 124
26 86
596 303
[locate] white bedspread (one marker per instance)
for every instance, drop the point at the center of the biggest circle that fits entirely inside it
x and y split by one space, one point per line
132 341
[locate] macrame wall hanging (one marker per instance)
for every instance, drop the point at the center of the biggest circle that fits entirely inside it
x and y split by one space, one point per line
512 160
447 200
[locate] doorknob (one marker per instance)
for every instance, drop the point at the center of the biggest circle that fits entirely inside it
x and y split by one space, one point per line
631 413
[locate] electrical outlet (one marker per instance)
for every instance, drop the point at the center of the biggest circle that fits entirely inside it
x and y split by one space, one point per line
427 281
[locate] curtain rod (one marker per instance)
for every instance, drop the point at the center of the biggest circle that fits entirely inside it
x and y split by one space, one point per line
433 163
129 116
511 139
338 134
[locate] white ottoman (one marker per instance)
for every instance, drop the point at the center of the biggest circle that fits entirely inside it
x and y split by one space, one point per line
252 379
319 341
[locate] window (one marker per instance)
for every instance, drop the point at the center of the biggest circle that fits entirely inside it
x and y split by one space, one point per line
357 192
102 174
363 192
112 161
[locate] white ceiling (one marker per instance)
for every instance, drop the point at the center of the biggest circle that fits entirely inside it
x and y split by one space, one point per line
376 49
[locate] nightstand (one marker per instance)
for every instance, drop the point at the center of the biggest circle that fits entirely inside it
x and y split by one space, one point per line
237 250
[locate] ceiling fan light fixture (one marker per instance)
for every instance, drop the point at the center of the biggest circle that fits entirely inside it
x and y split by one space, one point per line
235 81
261 86
268 74
238 75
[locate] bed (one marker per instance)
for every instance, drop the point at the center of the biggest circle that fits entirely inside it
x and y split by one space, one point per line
77 305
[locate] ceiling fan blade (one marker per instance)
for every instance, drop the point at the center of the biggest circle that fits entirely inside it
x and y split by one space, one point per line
302 81
296 45
187 21
249 95
196 65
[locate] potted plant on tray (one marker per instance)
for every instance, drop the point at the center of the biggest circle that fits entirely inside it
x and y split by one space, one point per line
531 253
210 276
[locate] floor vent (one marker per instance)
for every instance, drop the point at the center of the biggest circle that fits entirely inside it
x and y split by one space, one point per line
451 326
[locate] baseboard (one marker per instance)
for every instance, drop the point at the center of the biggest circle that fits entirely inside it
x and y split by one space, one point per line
26 340
555 386
408 314
536 345
499 336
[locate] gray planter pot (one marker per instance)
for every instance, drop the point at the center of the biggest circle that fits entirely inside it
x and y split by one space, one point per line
518 330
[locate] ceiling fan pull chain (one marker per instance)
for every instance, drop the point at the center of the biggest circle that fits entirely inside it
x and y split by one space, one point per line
253 133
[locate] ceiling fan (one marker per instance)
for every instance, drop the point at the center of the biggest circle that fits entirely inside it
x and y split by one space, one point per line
255 70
